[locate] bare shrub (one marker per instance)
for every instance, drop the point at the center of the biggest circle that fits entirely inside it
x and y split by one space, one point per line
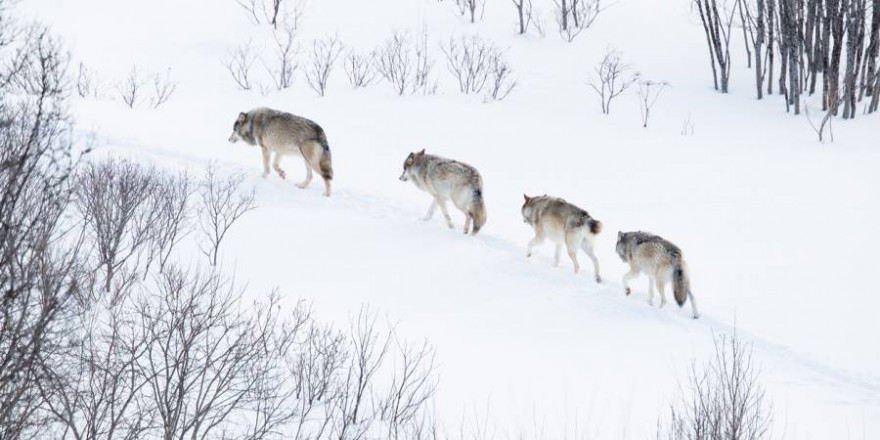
239 63
649 92
174 217
360 68
412 387
117 202
820 126
86 82
470 8
130 88
286 50
424 64
394 62
574 16
163 88
611 79
273 12
222 203
479 67
325 52
724 399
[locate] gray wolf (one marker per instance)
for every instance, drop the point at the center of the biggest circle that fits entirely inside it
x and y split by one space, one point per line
447 179
661 260
286 135
563 223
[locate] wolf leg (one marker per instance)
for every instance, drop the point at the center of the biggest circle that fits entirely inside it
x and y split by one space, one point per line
661 288
651 284
538 239
557 255
572 250
431 210
276 165
266 153
633 272
467 223
588 249
305 183
693 305
442 204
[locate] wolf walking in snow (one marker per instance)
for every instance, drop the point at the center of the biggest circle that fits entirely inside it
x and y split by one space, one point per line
447 179
661 261
563 223
286 135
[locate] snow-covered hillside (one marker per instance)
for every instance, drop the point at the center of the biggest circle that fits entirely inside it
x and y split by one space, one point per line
778 230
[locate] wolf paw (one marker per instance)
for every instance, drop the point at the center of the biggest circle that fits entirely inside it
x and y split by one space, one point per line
302 185
598 279
265 174
628 291
282 174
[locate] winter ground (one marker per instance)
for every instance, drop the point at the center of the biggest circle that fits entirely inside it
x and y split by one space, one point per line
778 230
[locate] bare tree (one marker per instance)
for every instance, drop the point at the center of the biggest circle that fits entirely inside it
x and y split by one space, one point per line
325 52
130 88
360 68
273 12
94 388
205 357
611 79
239 63
468 60
525 15
717 25
724 401
222 204
163 88
39 272
649 92
424 65
117 201
394 62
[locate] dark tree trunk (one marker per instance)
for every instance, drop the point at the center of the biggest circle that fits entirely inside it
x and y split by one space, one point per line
759 41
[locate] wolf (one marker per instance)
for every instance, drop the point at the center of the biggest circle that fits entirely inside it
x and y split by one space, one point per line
447 179
286 134
563 223
661 260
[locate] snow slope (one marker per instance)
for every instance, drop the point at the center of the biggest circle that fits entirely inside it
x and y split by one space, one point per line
778 230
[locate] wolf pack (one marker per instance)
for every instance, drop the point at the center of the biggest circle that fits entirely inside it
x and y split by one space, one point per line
282 134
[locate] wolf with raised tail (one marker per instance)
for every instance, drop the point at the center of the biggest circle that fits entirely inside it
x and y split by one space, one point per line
661 261
447 179
286 134
564 224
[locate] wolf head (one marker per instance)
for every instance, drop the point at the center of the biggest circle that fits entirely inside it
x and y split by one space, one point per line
527 209
621 245
408 164
242 130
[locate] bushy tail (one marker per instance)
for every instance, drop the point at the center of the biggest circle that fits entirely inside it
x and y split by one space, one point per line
478 211
595 226
681 286
325 165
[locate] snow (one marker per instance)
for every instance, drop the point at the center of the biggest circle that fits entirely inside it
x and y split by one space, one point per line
778 230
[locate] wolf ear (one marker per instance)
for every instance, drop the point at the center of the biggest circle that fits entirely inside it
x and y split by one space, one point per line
242 117
619 234
421 152
527 198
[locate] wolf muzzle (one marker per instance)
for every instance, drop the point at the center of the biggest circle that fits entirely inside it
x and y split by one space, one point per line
233 138
403 177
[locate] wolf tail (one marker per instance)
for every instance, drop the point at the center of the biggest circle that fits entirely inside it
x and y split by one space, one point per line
478 210
325 165
681 285
595 226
